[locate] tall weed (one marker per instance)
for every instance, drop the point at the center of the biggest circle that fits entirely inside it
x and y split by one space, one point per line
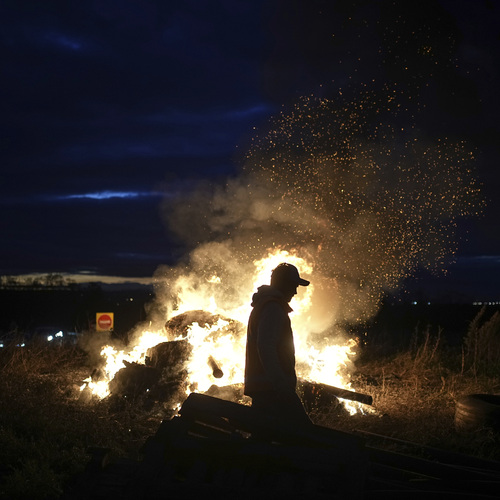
481 347
424 348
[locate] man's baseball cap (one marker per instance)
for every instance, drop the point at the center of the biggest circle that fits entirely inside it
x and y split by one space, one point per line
287 273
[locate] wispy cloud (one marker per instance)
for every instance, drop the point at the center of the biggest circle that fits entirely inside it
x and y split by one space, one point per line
108 195
479 260
63 41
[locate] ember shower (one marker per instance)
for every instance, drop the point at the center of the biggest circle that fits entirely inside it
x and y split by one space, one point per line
350 184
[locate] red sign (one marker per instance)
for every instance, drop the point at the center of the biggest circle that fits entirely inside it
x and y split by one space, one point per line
104 322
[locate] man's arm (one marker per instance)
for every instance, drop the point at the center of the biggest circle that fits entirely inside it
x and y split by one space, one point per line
273 321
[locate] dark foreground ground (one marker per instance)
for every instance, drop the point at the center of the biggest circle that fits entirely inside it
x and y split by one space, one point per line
47 431
416 364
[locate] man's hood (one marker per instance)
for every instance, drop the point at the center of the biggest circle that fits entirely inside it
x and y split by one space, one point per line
267 293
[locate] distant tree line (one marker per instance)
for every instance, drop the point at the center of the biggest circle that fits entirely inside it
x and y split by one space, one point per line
50 280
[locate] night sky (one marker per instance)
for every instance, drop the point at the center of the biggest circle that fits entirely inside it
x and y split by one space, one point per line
111 107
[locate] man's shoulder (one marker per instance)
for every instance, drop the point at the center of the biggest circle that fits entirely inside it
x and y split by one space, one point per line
274 307
269 298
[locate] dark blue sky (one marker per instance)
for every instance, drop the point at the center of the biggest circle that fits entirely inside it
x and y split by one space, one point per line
109 106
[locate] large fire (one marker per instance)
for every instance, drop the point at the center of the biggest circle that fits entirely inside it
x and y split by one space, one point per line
364 200
216 343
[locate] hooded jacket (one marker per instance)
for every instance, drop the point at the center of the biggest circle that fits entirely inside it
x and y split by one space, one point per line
270 352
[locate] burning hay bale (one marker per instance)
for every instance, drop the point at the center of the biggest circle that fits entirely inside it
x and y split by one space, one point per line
168 355
161 377
180 325
134 379
170 359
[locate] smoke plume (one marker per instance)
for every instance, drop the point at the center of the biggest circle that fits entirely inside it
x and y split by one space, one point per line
349 184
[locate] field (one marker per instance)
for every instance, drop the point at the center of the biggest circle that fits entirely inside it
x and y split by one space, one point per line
47 428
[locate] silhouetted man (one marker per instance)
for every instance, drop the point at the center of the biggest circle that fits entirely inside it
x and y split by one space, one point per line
270 378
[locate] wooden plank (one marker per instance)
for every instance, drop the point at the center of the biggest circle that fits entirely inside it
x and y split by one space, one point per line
443 456
318 388
199 406
424 467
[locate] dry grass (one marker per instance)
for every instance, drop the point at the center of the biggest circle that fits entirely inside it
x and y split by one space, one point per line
415 394
420 407
46 428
